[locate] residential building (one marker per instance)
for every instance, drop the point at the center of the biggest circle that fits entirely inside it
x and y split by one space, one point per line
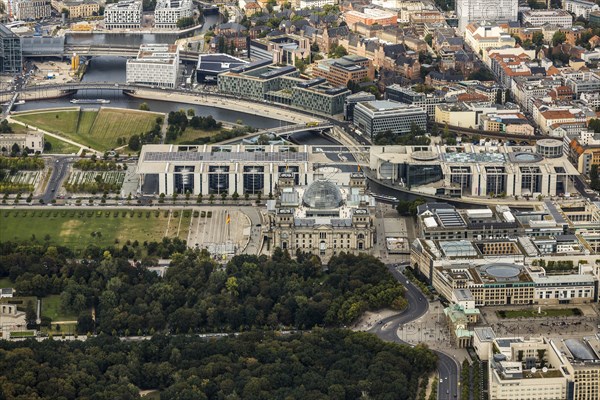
323 218
380 116
126 14
33 141
168 12
512 123
11 57
370 16
581 8
316 3
482 37
155 65
548 119
594 18
30 9
581 82
584 150
77 8
469 170
468 115
341 71
419 19
484 10
542 17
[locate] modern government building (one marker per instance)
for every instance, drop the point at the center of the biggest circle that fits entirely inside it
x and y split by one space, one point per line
471 170
218 169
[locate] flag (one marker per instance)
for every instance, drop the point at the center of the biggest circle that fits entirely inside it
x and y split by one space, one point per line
228 219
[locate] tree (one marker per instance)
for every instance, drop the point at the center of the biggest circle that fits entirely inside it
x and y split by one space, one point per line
85 323
594 177
134 143
15 149
338 51
558 38
65 11
5 127
429 39
144 107
191 112
538 39
185 22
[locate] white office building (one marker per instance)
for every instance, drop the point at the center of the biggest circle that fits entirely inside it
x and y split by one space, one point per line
542 17
30 9
485 10
126 14
168 12
155 65
316 3
32 141
581 8
379 116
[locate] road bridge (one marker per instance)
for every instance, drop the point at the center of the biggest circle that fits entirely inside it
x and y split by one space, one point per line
94 50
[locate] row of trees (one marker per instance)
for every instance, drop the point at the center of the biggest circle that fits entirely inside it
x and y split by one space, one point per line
96 165
334 364
416 136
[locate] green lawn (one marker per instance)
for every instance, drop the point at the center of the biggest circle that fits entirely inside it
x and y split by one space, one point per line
112 124
96 129
62 122
60 147
22 334
51 309
74 227
5 282
18 128
191 134
533 313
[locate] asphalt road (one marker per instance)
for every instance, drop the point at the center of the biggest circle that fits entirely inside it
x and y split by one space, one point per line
418 305
60 167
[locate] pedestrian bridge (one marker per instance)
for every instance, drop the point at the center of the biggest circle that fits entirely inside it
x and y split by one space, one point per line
283 132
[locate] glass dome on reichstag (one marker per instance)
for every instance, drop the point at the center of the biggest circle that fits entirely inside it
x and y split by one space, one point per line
322 194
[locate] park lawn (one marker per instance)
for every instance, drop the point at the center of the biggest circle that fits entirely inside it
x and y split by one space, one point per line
6 282
51 309
60 147
18 128
96 129
191 134
533 313
63 122
85 122
74 227
112 124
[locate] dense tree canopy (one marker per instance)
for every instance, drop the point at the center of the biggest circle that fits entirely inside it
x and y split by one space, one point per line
196 294
333 364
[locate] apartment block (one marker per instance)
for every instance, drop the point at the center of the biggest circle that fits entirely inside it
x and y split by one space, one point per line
126 14
31 9
168 12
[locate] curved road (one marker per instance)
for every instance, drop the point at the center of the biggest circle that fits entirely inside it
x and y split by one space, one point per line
386 329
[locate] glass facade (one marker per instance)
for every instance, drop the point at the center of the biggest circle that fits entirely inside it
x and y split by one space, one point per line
417 175
12 58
